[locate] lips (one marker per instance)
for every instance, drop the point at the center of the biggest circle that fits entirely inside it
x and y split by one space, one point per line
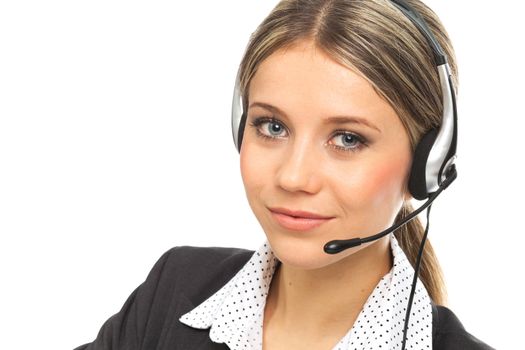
299 213
298 220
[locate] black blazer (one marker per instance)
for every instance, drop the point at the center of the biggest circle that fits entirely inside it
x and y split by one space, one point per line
183 278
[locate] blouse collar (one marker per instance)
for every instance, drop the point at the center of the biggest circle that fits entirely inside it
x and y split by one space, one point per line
235 312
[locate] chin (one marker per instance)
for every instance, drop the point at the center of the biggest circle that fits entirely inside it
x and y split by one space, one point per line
301 252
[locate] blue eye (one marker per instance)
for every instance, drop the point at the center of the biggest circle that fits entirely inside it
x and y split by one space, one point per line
275 129
348 141
268 128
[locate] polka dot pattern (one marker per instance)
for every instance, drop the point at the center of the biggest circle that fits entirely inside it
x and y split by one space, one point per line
235 313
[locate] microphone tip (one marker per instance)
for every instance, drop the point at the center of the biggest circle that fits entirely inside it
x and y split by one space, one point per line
334 247
331 248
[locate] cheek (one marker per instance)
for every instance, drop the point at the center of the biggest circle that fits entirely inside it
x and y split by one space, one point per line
388 178
379 184
254 170
247 163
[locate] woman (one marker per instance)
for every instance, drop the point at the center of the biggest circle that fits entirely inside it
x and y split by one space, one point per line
337 95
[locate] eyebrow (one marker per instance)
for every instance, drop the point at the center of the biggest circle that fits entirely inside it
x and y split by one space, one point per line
330 120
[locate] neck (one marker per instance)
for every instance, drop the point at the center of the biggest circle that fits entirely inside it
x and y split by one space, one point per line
330 297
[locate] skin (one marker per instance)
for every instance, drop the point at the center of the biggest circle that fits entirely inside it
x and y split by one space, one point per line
315 297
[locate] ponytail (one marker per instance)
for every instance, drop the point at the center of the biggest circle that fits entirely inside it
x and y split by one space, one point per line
409 237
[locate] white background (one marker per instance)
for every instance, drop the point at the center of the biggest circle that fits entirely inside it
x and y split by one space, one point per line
115 145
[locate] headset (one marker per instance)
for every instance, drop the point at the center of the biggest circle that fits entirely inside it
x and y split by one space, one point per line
433 164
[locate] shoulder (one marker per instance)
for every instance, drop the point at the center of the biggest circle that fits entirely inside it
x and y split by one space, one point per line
205 259
198 271
182 277
449 333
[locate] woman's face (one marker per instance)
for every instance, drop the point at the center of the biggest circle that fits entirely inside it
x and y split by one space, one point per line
319 139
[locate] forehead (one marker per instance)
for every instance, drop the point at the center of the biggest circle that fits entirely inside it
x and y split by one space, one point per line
304 80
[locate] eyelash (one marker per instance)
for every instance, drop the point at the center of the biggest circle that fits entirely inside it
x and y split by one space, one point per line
257 122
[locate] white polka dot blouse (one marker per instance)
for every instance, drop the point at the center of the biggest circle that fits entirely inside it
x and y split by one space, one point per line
235 312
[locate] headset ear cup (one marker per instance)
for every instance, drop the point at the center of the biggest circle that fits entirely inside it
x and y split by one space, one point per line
417 183
241 132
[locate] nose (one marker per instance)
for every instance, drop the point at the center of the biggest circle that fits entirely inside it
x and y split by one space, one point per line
299 169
